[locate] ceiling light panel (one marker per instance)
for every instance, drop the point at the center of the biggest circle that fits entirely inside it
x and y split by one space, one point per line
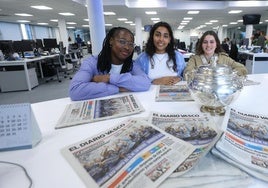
42 7
66 14
23 14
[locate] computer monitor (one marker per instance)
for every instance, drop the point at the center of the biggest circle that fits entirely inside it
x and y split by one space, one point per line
28 45
39 43
22 46
50 43
17 46
6 47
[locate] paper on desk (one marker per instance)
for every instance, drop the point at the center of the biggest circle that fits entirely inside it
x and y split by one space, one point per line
133 153
99 109
245 142
196 128
210 172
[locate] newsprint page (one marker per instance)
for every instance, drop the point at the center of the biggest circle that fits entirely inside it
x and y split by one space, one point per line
245 142
133 153
99 109
197 129
173 93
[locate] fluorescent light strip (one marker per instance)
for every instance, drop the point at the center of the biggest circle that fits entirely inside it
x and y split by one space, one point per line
23 14
121 19
42 23
109 13
23 21
193 12
234 11
66 14
150 12
54 20
71 23
42 7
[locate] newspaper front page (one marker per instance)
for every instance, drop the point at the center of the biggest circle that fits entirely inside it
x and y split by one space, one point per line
99 109
131 154
197 129
173 93
245 142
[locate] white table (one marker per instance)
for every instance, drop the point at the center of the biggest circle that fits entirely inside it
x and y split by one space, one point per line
23 62
48 168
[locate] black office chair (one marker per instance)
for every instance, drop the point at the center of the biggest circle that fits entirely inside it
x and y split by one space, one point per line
73 59
60 67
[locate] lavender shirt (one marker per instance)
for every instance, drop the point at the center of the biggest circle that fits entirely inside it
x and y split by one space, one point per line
81 87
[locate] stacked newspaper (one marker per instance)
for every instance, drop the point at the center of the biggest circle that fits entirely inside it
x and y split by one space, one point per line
99 109
210 172
197 129
133 153
245 142
173 93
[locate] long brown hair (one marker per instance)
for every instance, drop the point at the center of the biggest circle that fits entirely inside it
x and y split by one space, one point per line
199 50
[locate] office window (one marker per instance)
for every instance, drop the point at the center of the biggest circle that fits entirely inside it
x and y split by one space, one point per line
10 31
40 32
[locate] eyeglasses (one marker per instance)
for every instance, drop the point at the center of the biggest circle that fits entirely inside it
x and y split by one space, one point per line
124 43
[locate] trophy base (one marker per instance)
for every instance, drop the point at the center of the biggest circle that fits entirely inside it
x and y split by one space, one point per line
214 111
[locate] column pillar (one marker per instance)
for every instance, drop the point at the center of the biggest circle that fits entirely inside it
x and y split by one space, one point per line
138 32
220 33
96 25
63 33
249 32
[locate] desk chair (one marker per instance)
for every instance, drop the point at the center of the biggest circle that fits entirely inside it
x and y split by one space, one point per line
73 59
60 68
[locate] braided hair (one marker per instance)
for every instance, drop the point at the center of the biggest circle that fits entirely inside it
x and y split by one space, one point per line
105 57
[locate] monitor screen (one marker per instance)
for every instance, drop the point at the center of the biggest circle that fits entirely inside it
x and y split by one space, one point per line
50 43
18 46
6 46
28 45
39 43
251 19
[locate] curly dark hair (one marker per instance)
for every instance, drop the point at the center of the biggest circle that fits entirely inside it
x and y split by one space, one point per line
199 49
150 47
105 58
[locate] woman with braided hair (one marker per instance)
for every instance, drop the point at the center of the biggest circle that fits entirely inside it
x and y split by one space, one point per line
112 71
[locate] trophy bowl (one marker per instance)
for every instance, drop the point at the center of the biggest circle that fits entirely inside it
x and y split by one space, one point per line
214 87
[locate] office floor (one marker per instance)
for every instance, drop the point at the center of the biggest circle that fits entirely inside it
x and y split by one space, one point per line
43 92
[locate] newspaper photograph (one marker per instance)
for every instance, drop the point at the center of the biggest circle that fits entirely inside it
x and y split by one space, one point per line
245 141
196 129
99 109
173 93
133 153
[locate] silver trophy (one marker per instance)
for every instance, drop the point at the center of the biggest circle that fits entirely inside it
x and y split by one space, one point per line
214 86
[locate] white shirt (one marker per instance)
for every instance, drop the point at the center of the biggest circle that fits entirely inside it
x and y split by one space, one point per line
160 68
116 69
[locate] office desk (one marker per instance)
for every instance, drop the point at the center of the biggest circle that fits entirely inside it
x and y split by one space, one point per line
256 63
48 168
24 62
